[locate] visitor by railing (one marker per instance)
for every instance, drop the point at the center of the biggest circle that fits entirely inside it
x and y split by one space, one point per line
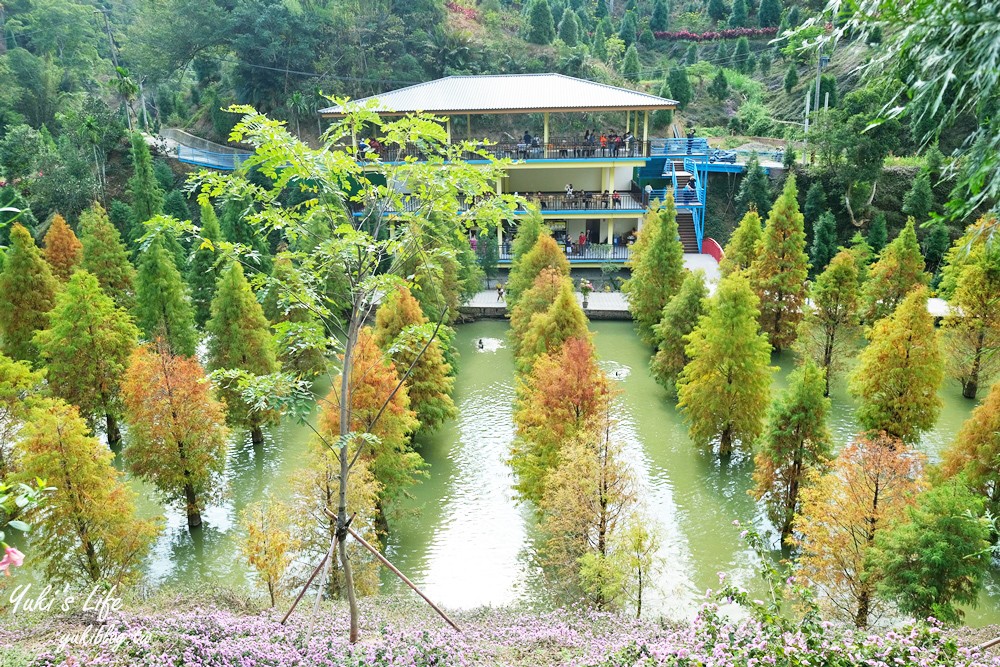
551 201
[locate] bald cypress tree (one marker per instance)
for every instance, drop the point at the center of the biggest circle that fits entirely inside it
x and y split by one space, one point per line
205 270
63 250
240 339
657 269
27 293
541 26
724 390
162 306
105 257
547 331
900 268
402 332
779 273
546 253
86 348
744 244
679 318
898 374
795 441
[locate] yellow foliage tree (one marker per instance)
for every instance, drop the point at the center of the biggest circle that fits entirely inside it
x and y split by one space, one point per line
63 251
270 542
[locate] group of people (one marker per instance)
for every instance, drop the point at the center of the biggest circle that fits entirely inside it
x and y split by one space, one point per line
610 143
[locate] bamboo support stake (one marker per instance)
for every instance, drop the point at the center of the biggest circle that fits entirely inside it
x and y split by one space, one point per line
382 559
298 598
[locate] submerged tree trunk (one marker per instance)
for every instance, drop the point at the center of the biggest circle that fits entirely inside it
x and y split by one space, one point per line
112 430
193 513
970 387
726 442
256 435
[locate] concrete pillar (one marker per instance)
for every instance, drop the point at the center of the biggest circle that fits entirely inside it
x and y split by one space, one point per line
645 130
500 224
447 127
468 126
545 130
611 230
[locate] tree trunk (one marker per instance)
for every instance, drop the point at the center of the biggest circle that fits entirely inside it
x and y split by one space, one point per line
726 442
971 386
828 362
793 495
345 428
864 607
112 430
193 514
638 602
256 435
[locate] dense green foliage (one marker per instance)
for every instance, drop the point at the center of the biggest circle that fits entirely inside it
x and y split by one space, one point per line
27 293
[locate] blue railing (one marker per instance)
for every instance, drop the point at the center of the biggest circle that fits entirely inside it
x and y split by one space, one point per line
691 167
694 146
203 158
699 225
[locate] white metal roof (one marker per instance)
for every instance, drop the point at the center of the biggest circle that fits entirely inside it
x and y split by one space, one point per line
510 93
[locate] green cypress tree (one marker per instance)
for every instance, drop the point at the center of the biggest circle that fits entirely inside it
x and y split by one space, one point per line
204 271
738 18
27 294
402 332
815 204
680 86
938 558
828 86
691 55
725 388
86 350
755 189
175 205
863 255
601 10
919 201
143 189
123 218
630 66
236 229
717 10
824 244
660 20
657 269
780 270
741 55
162 307
719 88
829 329
600 42
629 30
744 244
793 16
664 117
899 373
877 233
900 268
791 77
769 15
936 245
299 334
240 339
105 257
796 441
541 26
569 28
679 318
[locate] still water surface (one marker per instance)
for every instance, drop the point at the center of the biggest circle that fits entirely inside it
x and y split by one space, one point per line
463 536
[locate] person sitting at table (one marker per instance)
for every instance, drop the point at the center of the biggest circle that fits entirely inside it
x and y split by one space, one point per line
616 199
604 144
606 199
538 198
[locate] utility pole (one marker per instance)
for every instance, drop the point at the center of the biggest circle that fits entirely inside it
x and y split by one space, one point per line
805 140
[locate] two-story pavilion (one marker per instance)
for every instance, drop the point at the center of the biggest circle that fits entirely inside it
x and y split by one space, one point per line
586 185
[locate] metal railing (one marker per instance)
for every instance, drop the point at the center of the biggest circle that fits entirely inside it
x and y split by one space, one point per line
695 147
592 252
554 150
203 158
548 202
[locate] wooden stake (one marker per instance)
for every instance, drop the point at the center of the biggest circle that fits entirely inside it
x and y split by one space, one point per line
402 576
298 598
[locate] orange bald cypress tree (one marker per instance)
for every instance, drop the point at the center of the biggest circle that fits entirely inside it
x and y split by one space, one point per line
564 390
546 253
63 251
402 331
89 534
535 300
872 483
177 432
976 450
373 380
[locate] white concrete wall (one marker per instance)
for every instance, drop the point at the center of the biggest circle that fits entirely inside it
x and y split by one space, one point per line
555 178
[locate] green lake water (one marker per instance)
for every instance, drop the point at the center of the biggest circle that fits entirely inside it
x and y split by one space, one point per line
465 539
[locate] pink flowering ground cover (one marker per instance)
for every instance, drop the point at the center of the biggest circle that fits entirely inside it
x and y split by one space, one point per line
399 633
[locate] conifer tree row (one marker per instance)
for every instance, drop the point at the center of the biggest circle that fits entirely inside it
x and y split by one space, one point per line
27 294
105 256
